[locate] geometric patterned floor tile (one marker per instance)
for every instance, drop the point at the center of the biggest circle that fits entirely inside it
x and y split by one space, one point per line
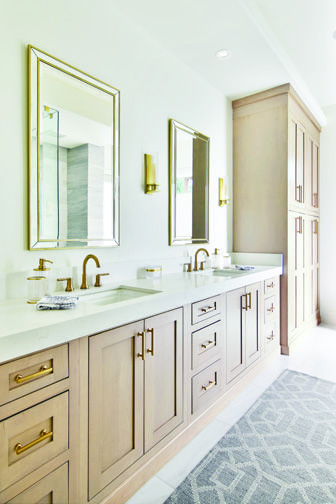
282 451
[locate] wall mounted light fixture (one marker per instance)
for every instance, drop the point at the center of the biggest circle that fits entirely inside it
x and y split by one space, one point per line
150 175
222 193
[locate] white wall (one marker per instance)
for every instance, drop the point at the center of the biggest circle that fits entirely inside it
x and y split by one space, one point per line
154 86
328 219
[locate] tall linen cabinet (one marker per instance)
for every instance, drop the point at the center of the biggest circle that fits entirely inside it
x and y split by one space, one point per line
276 197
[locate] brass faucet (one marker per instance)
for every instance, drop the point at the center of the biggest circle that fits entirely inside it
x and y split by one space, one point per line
196 255
84 280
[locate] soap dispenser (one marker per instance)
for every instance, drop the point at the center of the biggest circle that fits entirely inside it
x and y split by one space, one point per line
42 271
42 266
217 259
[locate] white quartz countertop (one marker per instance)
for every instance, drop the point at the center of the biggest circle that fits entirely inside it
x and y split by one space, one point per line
25 330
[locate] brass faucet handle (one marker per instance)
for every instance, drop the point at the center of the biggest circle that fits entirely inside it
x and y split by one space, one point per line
202 265
69 287
187 267
98 283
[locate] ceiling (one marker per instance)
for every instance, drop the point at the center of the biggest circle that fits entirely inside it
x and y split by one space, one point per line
271 42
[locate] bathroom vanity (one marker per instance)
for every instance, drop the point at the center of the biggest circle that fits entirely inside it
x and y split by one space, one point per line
95 400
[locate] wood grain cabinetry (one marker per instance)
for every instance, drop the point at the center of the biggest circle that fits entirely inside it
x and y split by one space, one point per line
271 320
34 428
243 344
135 393
276 196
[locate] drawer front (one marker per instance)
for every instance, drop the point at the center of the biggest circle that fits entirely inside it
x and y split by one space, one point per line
206 386
32 437
205 309
53 488
271 286
271 309
23 376
206 344
271 336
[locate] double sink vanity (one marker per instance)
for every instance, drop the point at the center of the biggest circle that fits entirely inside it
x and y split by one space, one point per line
94 400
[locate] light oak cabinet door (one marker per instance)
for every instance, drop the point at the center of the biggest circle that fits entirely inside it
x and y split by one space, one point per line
243 329
312 155
115 403
296 164
163 376
252 324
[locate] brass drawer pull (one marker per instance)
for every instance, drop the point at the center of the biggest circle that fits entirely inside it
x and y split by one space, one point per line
151 350
44 370
207 345
249 295
271 309
43 435
142 334
209 386
270 286
208 309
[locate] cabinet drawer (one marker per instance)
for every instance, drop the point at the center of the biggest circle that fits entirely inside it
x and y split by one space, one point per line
271 336
53 488
205 309
271 309
205 344
206 386
271 286
33 437
23 376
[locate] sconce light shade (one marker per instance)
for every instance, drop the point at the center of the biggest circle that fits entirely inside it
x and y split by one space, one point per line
150 175
222 193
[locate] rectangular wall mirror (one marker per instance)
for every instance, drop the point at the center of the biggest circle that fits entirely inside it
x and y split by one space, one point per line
189 185
73 156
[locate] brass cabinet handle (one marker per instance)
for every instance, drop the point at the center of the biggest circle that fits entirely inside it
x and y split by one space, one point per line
151 350
315 200
249 295
270 286
142 334
209 386
207 345
208 309
44 370
270 338
299 219
315 231
43 435
300 189
271 309
245 307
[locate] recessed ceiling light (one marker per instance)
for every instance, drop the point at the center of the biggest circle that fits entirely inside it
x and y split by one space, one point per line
223 54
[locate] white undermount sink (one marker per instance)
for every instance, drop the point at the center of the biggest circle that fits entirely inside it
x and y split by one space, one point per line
228 272
116 295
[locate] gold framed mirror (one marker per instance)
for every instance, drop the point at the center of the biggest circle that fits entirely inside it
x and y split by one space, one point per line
73 156
188 185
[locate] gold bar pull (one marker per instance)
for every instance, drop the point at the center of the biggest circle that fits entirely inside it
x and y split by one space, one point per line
207 345
44 370
244 307
208 309
300 198
315 200
142 334
315 226
250 301
43 435
151 350
300 221
209 386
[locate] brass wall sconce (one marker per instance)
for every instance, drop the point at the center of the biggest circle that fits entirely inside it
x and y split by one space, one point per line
222 193
150 175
